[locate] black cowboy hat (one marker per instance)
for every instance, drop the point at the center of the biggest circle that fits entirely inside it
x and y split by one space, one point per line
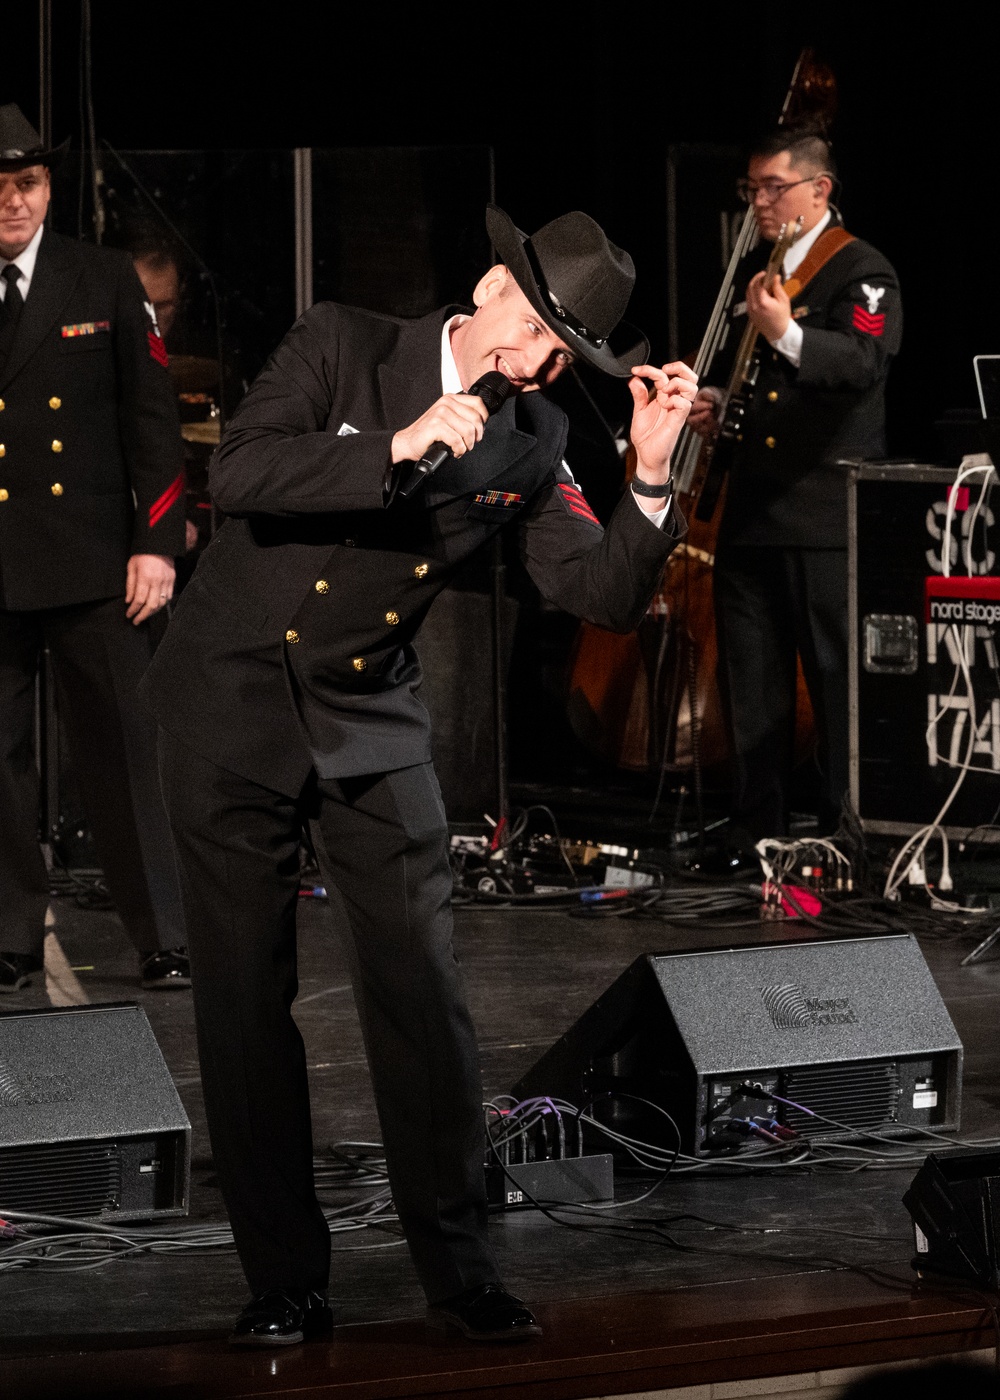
578 282
20 143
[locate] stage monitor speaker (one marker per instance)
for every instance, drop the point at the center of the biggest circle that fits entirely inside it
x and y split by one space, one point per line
90 1122
854 1029
954 1201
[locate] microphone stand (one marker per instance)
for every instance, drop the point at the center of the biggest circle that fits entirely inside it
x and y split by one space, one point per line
498 576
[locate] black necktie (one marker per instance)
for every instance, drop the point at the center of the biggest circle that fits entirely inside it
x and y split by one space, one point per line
10 311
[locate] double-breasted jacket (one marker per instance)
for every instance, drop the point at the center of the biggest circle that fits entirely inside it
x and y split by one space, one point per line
90 446
293 644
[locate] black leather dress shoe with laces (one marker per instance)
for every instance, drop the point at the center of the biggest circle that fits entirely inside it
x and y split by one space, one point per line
485 1314
16 970
169 968
281 1319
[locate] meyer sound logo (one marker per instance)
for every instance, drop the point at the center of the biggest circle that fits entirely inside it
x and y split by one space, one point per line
790 1009
20 1090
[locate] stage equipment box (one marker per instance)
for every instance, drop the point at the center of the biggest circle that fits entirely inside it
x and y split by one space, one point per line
90 1122
910 629
854 1029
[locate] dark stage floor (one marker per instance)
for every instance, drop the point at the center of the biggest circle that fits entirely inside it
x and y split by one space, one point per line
530 975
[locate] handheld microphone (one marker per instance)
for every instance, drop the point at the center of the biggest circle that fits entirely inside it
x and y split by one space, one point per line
493 388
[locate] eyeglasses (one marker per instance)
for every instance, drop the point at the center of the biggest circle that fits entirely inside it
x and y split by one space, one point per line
770 190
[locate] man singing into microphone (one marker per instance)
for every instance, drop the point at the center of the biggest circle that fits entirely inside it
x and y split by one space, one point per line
285 690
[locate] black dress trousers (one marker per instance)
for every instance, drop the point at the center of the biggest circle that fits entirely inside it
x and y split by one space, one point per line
771 603
98 657
381 840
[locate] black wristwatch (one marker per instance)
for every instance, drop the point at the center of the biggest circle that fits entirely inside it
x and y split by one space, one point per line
643 488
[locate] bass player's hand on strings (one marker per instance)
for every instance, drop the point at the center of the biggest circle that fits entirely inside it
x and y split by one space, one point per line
704 417
768 306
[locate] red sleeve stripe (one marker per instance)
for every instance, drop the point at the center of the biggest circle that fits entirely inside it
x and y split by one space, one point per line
577 503
163 503
157 349
864 321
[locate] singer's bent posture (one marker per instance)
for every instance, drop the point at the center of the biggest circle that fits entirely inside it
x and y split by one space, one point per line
285 690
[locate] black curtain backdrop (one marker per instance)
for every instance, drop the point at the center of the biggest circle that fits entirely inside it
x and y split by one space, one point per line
579 103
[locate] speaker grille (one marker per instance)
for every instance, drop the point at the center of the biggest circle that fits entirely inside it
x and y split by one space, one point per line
61 1178
858 1094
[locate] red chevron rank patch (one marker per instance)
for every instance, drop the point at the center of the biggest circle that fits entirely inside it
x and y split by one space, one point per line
577 502
169 497
157 349
863 320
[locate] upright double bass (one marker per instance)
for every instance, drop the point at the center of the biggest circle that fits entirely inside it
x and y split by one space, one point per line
650 701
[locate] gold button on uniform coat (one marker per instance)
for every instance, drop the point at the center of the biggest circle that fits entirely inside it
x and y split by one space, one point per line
360 664
91 422
392 618
291 635
769 441
3 450
322 586
422 570
4 494
773 396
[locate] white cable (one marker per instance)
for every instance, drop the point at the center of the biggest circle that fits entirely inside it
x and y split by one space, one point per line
920 839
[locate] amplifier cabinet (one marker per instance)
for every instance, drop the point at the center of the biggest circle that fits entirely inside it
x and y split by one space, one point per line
910 630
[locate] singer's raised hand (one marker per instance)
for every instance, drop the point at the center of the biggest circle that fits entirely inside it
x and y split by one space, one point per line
659 413
455 419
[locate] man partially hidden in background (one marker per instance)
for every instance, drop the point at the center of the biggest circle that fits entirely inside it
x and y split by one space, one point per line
285 687
91 517
829 328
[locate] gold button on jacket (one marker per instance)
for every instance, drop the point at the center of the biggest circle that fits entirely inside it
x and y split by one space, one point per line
422 570
3 450
769 441
322 586
4 494
2 405
392 618
291 635
56 445
56 488
360 664
773 396
55 402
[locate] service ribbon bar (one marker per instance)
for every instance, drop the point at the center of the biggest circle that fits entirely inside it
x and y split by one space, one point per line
498 498
85 328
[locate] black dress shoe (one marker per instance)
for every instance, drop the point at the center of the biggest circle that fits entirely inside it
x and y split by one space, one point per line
16 970
169 968
485 1314
281 1319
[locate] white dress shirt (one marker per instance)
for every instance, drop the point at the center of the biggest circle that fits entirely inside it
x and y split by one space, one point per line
790 344
451 383
25 263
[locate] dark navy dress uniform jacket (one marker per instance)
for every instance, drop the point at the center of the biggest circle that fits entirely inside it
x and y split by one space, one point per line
90 447
292 646
788 485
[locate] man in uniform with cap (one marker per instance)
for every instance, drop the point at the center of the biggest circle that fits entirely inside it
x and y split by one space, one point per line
91 517
285 688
